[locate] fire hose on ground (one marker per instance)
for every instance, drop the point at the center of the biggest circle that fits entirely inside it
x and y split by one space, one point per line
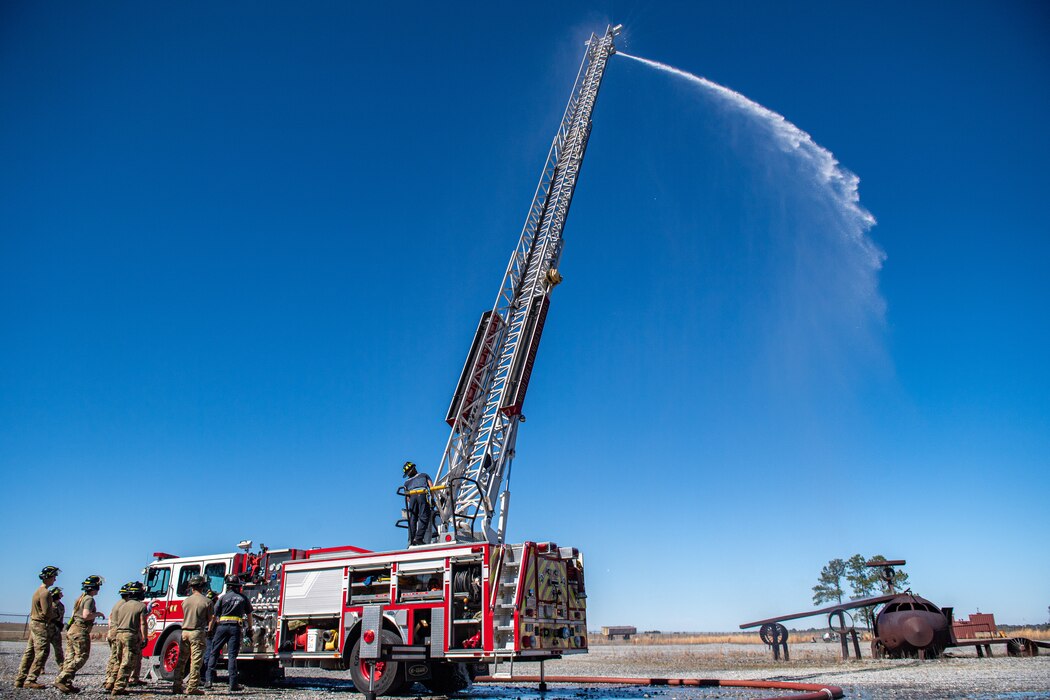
806 691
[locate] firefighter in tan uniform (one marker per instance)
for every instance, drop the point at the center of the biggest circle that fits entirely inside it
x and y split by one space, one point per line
38 645
130 623
196 614
113 665
58 616
78 634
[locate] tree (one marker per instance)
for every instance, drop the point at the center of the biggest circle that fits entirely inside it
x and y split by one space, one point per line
862 585
866 581
900 579
829 584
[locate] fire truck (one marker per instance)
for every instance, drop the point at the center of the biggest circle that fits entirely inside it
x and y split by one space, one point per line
464 600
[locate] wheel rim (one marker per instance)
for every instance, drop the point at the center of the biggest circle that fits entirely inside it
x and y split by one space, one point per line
366 671
171 657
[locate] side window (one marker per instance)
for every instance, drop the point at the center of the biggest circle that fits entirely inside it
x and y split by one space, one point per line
216 575
157 582
185 574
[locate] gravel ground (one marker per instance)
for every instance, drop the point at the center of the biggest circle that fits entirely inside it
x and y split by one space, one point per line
962 676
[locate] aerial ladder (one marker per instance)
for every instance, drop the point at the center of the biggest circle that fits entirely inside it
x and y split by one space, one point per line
472 484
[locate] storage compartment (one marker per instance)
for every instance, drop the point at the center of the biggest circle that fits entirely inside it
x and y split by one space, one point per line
311 635
370 585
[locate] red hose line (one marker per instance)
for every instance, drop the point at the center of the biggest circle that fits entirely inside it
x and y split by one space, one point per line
813 691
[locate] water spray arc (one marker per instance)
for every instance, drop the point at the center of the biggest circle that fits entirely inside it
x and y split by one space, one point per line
838 183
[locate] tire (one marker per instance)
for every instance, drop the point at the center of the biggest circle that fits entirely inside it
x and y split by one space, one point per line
389 674
446 677
168 656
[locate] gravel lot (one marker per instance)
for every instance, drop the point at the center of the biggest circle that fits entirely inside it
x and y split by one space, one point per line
963 676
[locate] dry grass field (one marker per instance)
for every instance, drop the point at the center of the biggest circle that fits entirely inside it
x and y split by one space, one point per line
809 635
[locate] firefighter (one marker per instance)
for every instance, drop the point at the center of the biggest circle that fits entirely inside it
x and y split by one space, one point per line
196 616
130 622
231 609
417 492
58 616
39 644
78 633
210 633
113 665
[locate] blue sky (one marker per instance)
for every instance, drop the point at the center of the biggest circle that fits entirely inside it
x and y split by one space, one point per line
244 246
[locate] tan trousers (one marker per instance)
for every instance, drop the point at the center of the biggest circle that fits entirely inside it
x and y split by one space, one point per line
191 653
113 665
37 649
78 648
56 643
128 647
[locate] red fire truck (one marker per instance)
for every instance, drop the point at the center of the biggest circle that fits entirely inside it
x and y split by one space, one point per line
439 610
431 612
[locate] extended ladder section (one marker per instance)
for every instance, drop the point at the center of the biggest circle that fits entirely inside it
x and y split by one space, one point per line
472 480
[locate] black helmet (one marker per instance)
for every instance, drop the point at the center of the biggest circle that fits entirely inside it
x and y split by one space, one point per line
234 581
197 581
409 466
49 572
124 592
210 594
134 589
92 581
55 592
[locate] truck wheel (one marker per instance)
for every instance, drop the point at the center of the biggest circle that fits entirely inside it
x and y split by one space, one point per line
169 656
447 677
388 675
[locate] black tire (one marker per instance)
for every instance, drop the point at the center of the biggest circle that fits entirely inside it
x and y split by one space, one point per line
389 674
447 677
169 656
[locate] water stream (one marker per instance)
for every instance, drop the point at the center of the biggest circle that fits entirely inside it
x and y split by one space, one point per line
820 164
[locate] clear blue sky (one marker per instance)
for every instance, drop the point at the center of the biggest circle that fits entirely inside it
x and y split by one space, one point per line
243 248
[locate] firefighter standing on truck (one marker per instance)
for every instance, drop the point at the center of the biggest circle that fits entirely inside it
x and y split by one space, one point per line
230 610
196 616
78 633
130 622
58 616
37 647
418 511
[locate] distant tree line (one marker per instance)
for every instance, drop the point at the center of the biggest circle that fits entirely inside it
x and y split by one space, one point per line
863 582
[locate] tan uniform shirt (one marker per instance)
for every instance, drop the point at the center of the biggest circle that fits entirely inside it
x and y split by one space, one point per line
113 616
58 613
196 612
84 602
40 610
128 617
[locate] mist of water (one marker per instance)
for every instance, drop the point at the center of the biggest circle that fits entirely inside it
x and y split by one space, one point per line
836 184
